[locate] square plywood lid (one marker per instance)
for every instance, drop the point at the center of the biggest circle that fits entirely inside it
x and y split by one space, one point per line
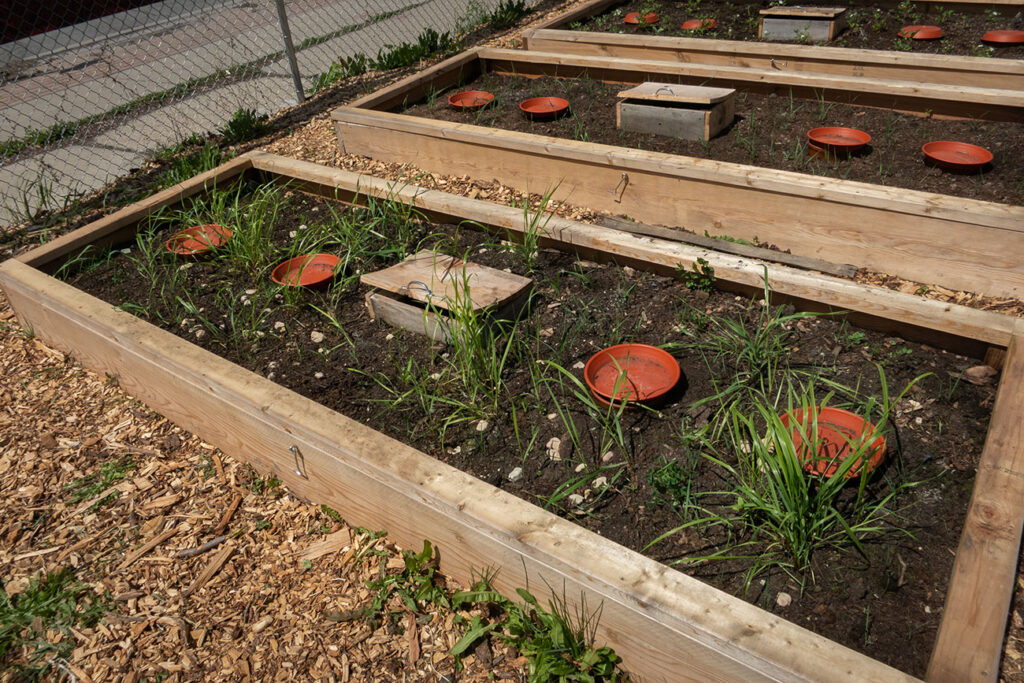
816 12
673 92
439 279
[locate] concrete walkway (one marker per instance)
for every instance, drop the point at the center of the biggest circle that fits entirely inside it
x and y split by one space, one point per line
154 48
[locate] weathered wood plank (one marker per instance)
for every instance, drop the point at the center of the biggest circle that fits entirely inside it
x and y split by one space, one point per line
665 624
969 644
445 281
804 262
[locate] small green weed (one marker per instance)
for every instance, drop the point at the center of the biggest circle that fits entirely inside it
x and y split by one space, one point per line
261 485
244 125
700 276
557 641
53 602
506 13
92 485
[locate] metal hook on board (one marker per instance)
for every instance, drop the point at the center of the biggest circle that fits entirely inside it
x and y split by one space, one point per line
623 183
422 285
664 87
300 461
775 65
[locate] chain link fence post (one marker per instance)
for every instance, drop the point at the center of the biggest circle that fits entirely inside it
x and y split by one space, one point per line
289 48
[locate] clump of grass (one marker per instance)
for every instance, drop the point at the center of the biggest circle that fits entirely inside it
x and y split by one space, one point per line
244 125
506 13
189 164
776 513
92 485
53 602
557 640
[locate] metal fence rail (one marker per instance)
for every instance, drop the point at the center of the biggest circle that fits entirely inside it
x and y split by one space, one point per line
102 93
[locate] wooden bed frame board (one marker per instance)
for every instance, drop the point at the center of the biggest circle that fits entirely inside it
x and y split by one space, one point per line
936 239
666 625
975 72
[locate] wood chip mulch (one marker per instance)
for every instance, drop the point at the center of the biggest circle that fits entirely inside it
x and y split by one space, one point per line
211 575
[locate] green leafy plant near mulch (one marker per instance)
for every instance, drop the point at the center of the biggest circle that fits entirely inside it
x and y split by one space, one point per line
29 621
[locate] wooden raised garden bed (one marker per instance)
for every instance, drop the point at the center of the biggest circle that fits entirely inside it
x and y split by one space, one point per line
873 31
955 242
974 72
666 625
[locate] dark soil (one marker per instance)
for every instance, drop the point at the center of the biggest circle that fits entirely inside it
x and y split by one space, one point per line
769 131
886 602
869 27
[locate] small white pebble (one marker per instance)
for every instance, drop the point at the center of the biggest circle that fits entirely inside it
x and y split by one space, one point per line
316 337
516 474
581 467
292 234
250 292
579 365
600 482
389 337
554 447
482 425
552 416
783 599
200 334
607 456
126 251
575 499
435 376
303 226
279 326
318 375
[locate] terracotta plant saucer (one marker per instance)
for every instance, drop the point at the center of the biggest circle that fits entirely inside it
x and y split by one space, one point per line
544 107
837 140
697 24
956 156
1004 37
198 239
631 372
921 32
837 430
636 18
308 270
470 100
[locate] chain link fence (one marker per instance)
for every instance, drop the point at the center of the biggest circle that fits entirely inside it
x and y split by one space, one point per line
91 89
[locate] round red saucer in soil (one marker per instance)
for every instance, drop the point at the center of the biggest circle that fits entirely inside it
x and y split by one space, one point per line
837 431
957 156
198 239
470 100
921 32
635 18
695 24
838 139
631 372
308 270
544 107
1004 37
